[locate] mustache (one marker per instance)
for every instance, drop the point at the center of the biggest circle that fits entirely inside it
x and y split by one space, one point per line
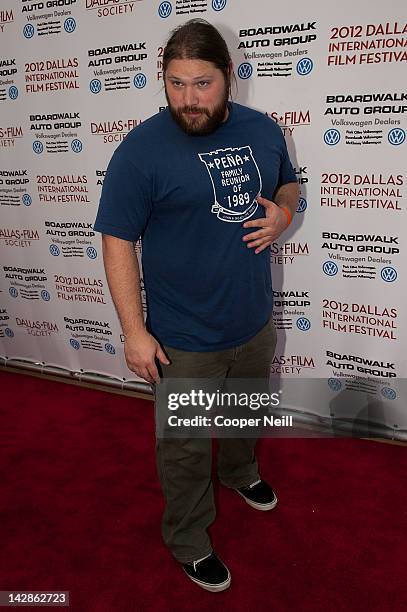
194 109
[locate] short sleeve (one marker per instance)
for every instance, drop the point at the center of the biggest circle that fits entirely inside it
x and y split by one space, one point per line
286 173
125 201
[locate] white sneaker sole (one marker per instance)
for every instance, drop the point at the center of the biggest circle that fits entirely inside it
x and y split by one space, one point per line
213 588
258 506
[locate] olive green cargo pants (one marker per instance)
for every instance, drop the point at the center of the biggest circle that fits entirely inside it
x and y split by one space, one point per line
185 464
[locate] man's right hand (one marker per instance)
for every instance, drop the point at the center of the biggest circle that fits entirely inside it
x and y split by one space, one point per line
141 350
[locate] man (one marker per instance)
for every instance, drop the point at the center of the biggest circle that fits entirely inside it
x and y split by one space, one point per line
208 185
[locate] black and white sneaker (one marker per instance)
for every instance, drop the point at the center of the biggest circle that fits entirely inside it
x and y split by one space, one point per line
210 573
259 495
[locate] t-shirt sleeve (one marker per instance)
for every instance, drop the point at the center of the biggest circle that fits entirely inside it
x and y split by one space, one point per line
125 201
286 174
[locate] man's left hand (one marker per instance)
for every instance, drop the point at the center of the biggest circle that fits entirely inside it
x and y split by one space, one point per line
272 225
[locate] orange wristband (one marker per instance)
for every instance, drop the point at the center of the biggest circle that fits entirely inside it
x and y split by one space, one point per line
288 213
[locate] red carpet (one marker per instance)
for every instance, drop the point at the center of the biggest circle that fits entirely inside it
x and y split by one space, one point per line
81 509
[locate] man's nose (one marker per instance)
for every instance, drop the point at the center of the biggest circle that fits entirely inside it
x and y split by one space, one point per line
190 96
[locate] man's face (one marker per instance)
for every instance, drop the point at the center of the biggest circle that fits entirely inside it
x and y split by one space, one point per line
197 95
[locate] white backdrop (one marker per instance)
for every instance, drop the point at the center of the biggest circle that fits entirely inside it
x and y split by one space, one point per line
77 75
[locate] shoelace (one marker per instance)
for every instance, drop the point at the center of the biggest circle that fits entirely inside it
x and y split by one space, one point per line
195 563
254 484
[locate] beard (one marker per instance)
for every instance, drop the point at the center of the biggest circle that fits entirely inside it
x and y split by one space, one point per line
203 124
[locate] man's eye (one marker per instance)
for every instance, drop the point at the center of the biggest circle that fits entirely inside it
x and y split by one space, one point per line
176 83
203 83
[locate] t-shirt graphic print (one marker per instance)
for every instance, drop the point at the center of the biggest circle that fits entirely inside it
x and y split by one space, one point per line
236 182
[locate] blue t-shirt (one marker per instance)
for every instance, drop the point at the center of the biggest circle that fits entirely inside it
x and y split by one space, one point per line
188 197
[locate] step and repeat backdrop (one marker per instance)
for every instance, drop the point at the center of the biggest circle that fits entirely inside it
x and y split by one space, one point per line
77 75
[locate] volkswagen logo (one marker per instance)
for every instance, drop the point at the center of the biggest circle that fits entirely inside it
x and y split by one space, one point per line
38 147
396 136
13 292
334 384
302 205
9 332
140 80
13 92
110 349
27 201
218 5
74 343
388 274
304 66
330 268
54 250
164 10
76 146
91 252
332 137
95 86
303 324
28 30
388 393
245 70
45 295
69 25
